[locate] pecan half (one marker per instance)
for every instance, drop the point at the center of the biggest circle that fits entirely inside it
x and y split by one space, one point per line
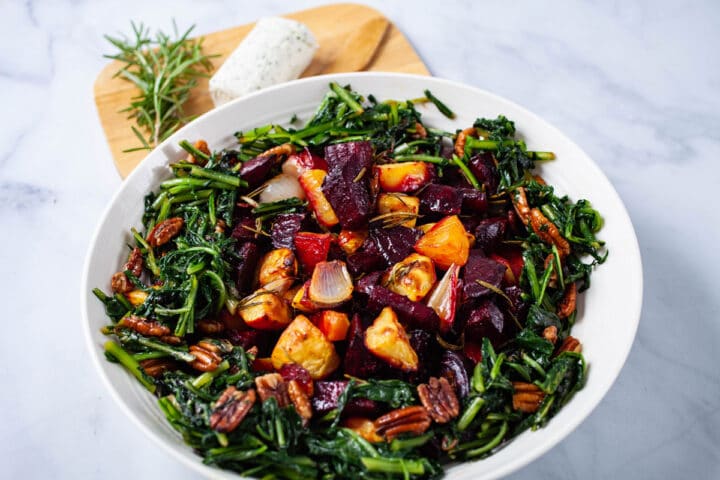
157 366
462 138
439 399
300 400
548 232
284 149
550 334
568 302
570 344
420 130
164 231
209 326
134 262
120 283
203 147
171 339
272 385
207 358
415 420
230 409
527 397
144 326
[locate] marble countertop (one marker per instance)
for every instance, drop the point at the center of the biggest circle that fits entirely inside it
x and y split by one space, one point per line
635 83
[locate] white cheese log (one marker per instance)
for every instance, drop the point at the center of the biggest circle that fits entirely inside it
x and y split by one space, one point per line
277 50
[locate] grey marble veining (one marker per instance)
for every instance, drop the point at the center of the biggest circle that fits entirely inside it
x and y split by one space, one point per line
635 83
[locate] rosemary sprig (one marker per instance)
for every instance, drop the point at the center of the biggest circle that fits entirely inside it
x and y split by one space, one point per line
165 69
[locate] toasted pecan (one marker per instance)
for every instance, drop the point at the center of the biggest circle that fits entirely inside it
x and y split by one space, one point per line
439 399
231 408
415 420
527 397
164 231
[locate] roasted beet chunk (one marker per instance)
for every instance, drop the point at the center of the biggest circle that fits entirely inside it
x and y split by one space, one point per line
490 232
249 255
440 199
256 170
395 243
262 339
413 314
293 371
359 362
483 167
426 348
347 185
244 229
452 367
487 320
284 229
473 200
484 269
327 394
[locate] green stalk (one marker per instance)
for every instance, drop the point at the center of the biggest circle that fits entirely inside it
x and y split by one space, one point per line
347 98
220 286
186 324
529 269
470 413
190 148
466 172
150 256
491 444
478 381
440 105
409 443
393 465
127 361
421 158
207 377
544 282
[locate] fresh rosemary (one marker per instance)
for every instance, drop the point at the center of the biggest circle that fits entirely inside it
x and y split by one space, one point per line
165 69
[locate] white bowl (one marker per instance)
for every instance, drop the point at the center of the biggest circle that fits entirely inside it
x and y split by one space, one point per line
608 316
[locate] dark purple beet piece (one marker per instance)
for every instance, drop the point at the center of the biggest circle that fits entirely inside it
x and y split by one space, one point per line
412 314
347 191
473 200
518 306
424 344
244 229
359 362
452 367
490 232
294 371
250 338
395 243
256 170
487 320
482 268
284 229
483 167
327 394
441 199
368 258
249 254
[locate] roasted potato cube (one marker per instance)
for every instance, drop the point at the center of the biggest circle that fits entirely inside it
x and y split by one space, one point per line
136 297
311 181
400 204
412 277
350 240
303 343
386 338
301 301
333 324
445 243
277 270
363 427
403 177
265 310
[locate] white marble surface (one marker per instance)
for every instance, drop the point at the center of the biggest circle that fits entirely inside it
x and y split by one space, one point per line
636 84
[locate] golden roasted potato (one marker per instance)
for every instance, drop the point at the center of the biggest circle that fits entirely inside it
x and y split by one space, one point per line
400 204
136 297
413 277
351 240
363 427
303 343
277 270
445 243
311 181
386 338
403 177
265 310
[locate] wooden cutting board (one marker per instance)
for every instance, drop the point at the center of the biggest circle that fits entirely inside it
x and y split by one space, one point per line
345 33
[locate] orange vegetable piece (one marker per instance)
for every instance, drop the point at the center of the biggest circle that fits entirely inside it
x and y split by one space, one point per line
333 324
445 243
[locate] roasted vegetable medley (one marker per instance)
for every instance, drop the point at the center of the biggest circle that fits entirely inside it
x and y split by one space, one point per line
362 295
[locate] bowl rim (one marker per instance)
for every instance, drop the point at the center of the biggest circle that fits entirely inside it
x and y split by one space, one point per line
530 455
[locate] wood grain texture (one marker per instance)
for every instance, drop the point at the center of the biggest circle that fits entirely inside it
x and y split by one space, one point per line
380 47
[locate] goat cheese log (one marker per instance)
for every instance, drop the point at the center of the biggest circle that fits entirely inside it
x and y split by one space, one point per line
276 50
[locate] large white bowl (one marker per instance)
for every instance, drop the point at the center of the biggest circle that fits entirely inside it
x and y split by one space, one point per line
608 316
